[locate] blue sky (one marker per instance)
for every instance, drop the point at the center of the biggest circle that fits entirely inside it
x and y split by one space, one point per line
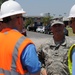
36 7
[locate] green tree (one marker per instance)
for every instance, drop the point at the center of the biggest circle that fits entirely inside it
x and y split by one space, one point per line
46 20
29 22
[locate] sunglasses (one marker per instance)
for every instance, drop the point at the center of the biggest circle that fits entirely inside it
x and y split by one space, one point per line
21 17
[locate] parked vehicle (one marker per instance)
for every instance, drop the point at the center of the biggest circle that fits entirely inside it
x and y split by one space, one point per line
48 29
40 29
30 28
24 32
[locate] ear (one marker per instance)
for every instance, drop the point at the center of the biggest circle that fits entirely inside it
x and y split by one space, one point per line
18 20
63 26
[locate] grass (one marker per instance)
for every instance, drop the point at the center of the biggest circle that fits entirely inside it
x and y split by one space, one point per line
70 31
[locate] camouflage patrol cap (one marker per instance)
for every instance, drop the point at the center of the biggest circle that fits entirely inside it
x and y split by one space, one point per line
57 22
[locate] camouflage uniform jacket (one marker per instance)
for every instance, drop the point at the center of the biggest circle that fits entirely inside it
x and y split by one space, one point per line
54 57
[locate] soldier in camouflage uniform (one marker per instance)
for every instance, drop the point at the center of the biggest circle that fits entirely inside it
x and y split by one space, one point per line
53 54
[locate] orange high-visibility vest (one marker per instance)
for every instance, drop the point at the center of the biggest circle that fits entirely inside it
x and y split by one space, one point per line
12 43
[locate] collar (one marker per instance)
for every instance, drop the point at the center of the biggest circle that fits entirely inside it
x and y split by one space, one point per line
62 43
55 46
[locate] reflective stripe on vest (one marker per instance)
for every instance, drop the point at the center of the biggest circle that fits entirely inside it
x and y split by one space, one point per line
15 54
70 58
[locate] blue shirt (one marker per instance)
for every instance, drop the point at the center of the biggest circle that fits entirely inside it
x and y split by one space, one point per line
30 59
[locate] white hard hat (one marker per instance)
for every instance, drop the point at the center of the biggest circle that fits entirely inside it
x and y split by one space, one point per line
10 7
72 12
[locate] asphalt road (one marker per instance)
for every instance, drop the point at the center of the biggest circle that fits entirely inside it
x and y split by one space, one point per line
38 38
